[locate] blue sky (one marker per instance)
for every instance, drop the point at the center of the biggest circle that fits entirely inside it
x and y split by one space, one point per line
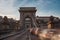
44 7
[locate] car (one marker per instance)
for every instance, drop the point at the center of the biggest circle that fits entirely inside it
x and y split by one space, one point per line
34 31
46 34
56 37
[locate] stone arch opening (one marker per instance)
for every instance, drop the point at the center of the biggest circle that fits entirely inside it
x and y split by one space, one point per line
28 22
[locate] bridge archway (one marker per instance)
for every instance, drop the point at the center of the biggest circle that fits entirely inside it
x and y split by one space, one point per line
28 22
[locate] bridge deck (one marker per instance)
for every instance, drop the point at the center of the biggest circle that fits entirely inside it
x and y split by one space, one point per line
24 35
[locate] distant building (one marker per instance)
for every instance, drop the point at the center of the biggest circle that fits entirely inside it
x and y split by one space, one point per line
7 24
45 22
12 23
42 21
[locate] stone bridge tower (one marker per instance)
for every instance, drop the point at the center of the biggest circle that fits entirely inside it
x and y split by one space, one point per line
27 17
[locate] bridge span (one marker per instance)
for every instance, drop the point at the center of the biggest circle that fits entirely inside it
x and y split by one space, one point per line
21 35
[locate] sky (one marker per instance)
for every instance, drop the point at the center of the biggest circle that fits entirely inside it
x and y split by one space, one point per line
10 8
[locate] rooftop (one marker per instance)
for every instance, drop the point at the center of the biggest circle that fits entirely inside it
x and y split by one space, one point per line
27 9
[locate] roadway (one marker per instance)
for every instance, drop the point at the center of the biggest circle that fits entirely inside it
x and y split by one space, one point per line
25 35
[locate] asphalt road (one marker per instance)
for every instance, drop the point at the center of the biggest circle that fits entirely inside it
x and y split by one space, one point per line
23 36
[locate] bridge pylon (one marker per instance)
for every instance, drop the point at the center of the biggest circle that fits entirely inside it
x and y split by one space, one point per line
27 17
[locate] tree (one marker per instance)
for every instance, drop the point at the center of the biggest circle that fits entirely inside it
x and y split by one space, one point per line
51 18
5 20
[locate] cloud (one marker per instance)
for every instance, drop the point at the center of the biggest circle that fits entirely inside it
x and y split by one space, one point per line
20 3
6 3
38 2
47 13
6 8
10 7
8 15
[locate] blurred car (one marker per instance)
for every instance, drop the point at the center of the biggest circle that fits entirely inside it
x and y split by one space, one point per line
46 34
34 31
56 37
